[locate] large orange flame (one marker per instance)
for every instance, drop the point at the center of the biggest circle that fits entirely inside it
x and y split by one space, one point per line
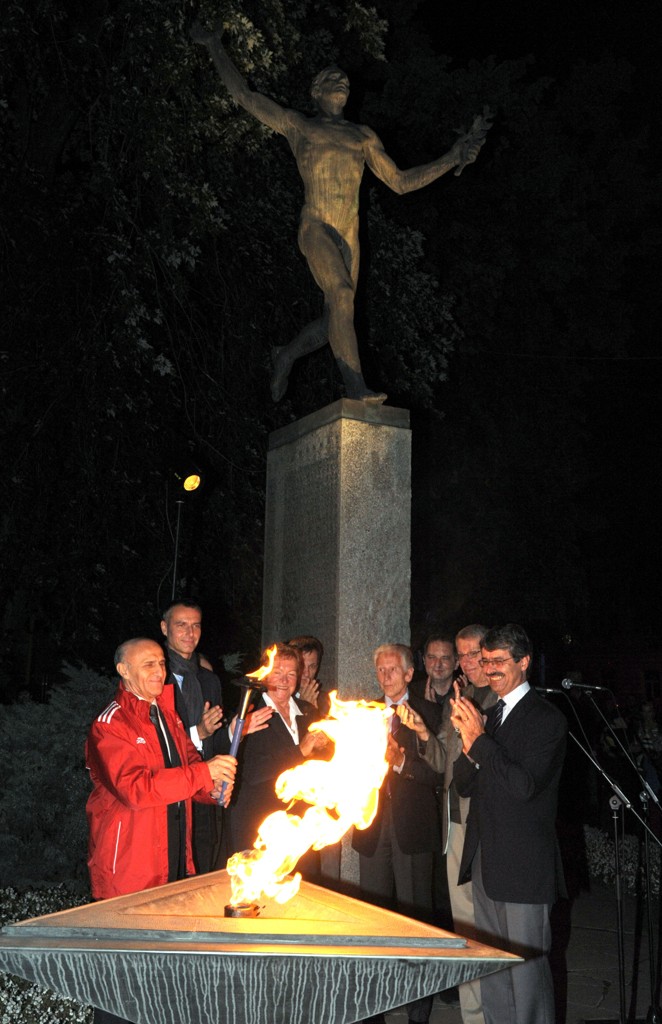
341 792
263 671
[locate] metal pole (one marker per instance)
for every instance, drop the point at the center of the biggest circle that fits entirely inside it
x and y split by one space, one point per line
616 805
179 504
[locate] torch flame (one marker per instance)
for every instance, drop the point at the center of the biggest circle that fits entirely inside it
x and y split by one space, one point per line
264 670
341 792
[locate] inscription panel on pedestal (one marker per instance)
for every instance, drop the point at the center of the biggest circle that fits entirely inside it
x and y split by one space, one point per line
301 578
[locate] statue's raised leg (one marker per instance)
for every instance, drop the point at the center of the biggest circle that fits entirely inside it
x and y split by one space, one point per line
313 336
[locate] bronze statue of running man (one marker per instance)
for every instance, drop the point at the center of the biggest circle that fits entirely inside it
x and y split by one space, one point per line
331 154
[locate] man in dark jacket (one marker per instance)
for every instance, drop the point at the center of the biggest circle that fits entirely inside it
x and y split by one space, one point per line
510 766
396 853
198 700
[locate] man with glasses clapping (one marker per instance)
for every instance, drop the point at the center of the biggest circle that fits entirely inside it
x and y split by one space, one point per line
510 767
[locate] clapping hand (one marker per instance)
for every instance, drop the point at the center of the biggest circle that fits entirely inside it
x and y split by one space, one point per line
412 720
309 691
466 718
212 719
255 721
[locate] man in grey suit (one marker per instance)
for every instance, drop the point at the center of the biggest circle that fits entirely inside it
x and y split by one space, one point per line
441 752
510 766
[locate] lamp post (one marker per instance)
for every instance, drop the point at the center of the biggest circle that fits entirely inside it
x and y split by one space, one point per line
189 482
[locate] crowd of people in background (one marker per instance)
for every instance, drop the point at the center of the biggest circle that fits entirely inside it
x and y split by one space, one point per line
464 835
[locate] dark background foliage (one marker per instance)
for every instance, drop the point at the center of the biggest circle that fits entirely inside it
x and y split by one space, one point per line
149 266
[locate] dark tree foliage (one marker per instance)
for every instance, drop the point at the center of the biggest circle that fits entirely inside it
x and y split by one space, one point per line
149 266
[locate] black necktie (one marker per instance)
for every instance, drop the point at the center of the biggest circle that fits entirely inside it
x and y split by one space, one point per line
498 715
176 812
167 744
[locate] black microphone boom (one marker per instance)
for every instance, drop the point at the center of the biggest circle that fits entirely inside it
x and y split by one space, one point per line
570 684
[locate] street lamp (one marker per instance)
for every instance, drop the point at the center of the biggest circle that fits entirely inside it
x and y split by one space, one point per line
189 480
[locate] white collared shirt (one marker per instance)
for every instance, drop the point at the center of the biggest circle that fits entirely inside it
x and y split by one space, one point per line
193 731
393 704
513 698
295 711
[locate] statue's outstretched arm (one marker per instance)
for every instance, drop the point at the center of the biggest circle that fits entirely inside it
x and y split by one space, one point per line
261 107
385 169
464 152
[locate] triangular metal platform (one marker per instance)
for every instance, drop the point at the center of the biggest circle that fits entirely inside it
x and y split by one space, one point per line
168 955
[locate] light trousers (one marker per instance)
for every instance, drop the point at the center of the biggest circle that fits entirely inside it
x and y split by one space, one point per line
462 908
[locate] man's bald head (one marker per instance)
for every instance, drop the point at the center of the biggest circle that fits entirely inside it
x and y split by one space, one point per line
141 665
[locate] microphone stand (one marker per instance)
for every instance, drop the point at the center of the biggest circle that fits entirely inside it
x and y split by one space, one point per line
616 802
616 811
654 1015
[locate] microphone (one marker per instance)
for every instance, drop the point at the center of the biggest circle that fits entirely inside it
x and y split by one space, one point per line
569 684
543 689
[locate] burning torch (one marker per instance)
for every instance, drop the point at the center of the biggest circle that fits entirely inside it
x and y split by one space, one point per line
250 684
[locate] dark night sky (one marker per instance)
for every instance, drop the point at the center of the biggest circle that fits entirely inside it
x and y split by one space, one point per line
623 396
557 33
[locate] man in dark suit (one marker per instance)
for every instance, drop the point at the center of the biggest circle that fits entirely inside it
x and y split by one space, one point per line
396 853
510 766
198 701
440 660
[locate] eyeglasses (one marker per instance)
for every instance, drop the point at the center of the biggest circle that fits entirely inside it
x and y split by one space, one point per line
469 655
497 662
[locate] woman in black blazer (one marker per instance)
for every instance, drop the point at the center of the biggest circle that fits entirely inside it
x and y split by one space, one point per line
263 755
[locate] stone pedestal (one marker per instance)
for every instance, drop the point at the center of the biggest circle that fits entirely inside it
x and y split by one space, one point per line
338 548
337 540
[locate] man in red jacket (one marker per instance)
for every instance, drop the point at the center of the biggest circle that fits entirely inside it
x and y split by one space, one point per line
145 771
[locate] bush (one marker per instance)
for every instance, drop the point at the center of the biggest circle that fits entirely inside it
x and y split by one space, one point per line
601 866
43 831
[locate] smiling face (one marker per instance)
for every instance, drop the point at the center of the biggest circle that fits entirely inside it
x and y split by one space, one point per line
440 663
469 655
282 680
182 629
143 669
503 673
